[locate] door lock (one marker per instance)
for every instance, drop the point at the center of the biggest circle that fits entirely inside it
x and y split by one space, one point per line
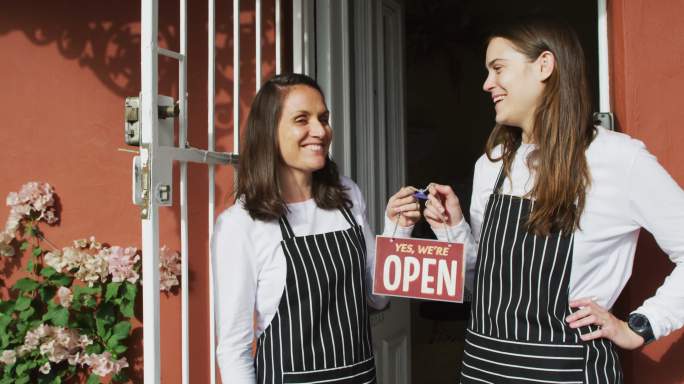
132 120
166 109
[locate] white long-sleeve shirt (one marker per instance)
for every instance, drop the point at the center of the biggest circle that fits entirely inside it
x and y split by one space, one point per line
249 271
629 190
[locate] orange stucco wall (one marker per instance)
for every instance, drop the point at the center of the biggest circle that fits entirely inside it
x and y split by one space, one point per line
647 54
66 67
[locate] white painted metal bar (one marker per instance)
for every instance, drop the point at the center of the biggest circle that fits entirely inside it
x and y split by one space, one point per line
150 232
172 54
194 155
236 76
278 41
603 56
182 143
298 51
211 92
257 33
303 42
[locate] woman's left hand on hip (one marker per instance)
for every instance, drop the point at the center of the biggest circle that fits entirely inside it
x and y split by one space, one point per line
609 326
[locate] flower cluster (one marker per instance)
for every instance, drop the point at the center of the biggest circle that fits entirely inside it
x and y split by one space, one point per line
59 344
64 297
91 262
35 201
169 269
103 364
87 259
122 263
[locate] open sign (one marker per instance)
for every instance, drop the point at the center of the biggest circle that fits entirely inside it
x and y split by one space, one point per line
419 268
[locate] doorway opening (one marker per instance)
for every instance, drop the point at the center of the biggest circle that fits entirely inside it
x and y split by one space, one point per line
448 120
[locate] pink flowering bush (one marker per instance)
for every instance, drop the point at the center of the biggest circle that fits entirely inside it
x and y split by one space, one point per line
32 204
71 316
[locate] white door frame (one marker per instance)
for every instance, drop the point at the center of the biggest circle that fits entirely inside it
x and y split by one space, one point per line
603 57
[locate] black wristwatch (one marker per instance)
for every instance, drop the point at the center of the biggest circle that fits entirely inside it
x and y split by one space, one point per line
641 326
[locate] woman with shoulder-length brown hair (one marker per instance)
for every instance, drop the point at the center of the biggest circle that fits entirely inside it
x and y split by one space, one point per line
293 258
556 211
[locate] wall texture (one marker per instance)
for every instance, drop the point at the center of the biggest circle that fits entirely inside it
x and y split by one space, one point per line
647 52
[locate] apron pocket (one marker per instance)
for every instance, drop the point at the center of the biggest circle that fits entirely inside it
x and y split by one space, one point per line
359 373
503 361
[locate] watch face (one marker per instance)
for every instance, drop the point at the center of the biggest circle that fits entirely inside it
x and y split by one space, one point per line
638 321
640 324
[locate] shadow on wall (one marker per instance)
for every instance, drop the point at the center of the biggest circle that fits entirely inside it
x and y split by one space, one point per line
662 359
106 39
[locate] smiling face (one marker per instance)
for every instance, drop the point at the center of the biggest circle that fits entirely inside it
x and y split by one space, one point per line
304 133
515 82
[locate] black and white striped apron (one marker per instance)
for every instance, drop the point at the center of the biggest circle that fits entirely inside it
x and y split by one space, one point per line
517 331
320 332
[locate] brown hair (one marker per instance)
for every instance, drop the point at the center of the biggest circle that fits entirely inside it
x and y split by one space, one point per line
258 181
562 130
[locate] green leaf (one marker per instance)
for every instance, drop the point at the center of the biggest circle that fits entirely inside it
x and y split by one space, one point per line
37 251
85 296
94 348
29 265
131 291
26 285
22 328
47 272
93 379
121 329
79 290
119 349
60 280
5 320
112 291
6 306
89 301
120 377
47 292
23 380
23 367
59 316
84 321
104 318
29 231
24 245
27 313
126 308
51 378
112 343
22 303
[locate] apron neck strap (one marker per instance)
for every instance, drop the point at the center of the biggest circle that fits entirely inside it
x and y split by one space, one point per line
285 228
346 212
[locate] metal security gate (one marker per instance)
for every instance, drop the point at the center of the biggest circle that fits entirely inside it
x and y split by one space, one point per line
149 125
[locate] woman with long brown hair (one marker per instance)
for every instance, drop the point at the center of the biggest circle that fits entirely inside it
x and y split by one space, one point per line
556 210
293 257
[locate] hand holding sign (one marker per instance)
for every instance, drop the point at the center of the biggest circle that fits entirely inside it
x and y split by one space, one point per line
403 208
442 206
